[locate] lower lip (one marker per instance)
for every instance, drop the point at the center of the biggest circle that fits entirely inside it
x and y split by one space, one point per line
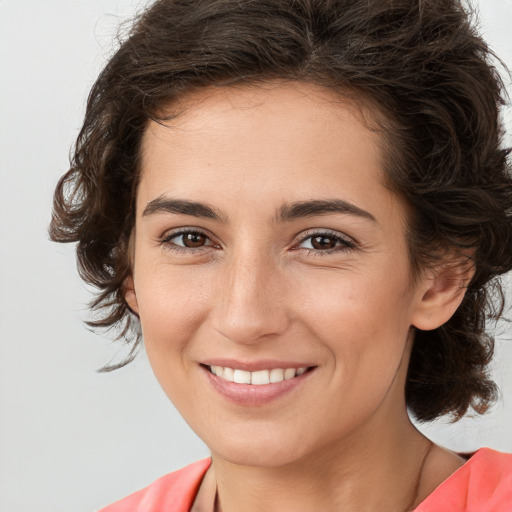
253 394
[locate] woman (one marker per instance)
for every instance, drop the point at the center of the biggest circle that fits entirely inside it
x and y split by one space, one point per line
303 205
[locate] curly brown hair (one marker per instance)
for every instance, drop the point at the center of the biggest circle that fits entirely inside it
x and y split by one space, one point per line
421 63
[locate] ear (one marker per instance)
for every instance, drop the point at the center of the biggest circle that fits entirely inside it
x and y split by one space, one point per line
130 296
440 292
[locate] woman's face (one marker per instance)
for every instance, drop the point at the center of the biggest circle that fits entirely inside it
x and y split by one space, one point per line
267 243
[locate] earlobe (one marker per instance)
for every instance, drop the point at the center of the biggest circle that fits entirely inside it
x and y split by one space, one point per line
130 296
440 293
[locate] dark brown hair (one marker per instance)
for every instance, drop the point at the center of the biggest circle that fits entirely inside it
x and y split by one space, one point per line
431 76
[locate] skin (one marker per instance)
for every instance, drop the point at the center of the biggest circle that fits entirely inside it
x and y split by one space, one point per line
257 289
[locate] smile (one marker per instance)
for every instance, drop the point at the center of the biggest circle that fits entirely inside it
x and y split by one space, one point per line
257 378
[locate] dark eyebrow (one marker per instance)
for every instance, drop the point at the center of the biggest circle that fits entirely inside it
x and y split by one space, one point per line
164 204
301 209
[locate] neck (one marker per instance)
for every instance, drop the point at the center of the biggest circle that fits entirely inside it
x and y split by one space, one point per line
377 468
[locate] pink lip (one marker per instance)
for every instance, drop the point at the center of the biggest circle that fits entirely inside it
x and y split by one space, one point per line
251 394
254 366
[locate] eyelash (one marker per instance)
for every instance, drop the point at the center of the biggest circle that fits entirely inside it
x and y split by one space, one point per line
345 244
167 241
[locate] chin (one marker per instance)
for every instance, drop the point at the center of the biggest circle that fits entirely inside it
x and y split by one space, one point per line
268 451
258 457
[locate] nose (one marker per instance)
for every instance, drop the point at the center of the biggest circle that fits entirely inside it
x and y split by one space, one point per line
251 305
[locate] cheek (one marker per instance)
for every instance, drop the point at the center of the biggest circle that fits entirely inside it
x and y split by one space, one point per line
172 308
363 320
364 325
354 300
172 305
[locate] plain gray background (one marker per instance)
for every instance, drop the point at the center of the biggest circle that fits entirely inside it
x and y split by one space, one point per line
71 439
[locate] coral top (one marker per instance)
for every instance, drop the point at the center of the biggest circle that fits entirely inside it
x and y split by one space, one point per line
482 484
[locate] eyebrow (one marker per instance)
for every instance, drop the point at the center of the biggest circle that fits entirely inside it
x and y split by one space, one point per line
287 212
164 204
301 209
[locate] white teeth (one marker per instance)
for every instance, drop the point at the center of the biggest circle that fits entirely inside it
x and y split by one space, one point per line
228 374
261 377
242 377
276 375
289 373
257 378
218 370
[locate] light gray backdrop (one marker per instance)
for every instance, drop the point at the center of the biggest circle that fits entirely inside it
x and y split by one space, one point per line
72 440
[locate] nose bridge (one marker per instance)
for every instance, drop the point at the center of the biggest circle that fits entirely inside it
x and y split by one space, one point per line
251 305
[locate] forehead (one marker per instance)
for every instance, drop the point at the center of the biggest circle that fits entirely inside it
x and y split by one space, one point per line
302 108
284 100
275 140
267 117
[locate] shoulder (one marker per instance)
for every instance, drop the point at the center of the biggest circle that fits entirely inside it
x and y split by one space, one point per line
483 483
175 491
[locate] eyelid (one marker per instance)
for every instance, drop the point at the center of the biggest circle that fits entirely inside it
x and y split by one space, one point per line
348 243
166 238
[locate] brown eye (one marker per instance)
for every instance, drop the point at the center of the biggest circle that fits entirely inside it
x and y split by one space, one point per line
194 240
323 242
326 243
187 240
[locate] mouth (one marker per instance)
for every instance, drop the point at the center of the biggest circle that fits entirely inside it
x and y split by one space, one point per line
259 377
256 383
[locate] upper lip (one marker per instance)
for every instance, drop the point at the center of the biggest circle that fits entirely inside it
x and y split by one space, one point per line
254 366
